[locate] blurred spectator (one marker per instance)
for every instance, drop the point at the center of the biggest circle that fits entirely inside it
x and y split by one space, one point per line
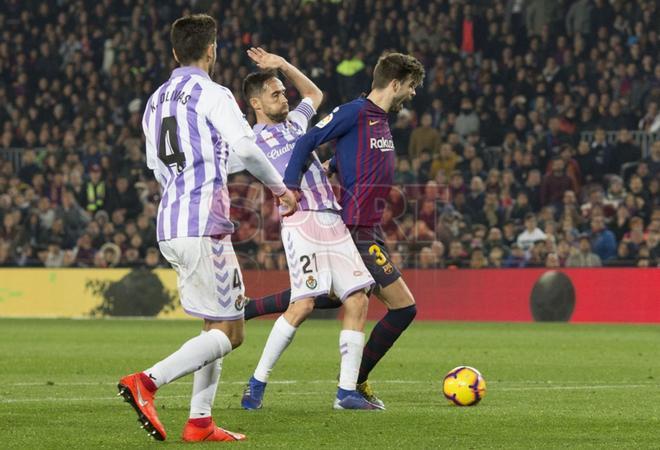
467 121
531 234
95 190
122 196
516 258
495 257
457 256
29 166
584 257
624 152
446 162
555 184
424 137
402 133
552 261
651 120
109 255
578 19
477 259
521 208
603 241
152 259
653 161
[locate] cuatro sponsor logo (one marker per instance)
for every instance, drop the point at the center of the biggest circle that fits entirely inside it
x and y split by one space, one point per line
277 152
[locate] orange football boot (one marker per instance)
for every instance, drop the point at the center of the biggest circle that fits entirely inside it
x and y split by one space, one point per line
141 399
211 432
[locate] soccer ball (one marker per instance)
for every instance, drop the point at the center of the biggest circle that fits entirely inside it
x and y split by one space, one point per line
464 386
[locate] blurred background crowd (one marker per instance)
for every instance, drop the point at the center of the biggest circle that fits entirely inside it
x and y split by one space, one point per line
534 141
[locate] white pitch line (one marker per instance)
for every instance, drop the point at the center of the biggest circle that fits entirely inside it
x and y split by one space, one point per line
576 388
114 383
541 384
310 393
75 399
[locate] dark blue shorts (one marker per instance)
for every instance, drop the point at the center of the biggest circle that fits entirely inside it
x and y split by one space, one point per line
371 245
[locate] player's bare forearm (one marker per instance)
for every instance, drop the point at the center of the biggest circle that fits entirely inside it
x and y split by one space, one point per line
304 85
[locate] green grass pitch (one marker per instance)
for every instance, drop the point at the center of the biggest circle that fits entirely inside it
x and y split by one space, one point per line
549 386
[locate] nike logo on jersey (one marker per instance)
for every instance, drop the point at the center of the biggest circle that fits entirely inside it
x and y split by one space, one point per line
382 144
373 122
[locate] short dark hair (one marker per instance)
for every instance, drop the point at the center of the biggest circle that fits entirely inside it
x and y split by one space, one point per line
253 84
397 66
191 35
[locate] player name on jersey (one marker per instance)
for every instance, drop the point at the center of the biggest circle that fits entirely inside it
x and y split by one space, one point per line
190 123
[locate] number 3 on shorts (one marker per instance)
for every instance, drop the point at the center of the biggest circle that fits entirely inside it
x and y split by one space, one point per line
380 258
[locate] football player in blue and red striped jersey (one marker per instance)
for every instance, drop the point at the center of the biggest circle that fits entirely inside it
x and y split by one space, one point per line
364 162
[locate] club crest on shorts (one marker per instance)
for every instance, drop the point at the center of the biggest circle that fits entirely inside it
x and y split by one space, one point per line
311 282
388 269
240 302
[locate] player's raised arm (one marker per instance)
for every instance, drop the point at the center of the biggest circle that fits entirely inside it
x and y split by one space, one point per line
305 86
330 127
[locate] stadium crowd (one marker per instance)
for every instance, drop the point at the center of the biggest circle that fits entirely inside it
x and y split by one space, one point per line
492 169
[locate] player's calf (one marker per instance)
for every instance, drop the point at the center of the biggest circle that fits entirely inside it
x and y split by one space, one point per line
280 337
351 344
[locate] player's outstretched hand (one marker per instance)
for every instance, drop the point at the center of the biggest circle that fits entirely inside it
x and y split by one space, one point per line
288 203
265 60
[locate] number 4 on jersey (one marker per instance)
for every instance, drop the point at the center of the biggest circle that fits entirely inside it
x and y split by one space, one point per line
237 284
168 147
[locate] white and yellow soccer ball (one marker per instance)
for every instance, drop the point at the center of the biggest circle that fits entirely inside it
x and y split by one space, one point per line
464 386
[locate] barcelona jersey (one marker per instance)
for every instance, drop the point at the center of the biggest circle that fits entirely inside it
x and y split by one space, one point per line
364 158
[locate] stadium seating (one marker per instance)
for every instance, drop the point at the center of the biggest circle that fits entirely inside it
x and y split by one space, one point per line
523 119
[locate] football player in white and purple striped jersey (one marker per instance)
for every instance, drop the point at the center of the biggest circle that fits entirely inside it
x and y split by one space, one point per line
321 254
191 124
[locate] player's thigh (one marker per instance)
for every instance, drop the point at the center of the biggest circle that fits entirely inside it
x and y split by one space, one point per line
209 277
356 307
395 295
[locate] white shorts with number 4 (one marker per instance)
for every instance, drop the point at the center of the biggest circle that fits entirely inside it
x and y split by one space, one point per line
209 278
322 256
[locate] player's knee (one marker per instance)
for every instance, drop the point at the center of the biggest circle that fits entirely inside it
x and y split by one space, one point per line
409 312
299 311
361 299
357 303
397 300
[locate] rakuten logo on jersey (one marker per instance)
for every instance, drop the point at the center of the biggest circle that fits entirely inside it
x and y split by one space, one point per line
382 144
276 153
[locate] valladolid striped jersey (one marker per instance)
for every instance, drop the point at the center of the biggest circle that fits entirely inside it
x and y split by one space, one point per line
190 122
277 141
